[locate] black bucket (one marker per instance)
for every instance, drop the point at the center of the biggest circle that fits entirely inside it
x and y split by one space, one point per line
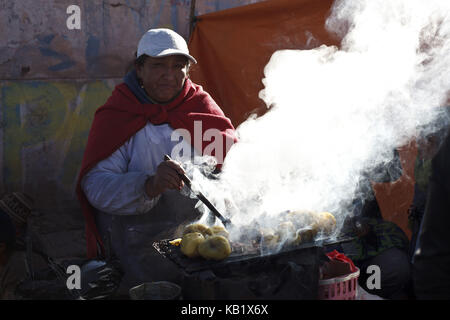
160 290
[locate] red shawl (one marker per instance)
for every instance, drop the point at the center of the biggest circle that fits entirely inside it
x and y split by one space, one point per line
123 115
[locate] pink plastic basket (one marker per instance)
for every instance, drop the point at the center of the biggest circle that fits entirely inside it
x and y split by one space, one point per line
339 288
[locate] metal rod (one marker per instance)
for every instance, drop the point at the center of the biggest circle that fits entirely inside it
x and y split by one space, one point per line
226 222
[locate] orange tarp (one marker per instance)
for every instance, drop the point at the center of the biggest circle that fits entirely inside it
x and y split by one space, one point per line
232 48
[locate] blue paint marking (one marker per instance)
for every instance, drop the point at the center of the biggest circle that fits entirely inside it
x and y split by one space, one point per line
18 118
136 17
92 47
174 15
45 39
158 15
92 50
65 63
50 52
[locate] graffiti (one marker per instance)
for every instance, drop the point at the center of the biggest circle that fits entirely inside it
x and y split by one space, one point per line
44 125
65 61
41 116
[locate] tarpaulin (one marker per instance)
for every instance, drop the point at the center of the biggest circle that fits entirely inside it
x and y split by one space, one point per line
232 48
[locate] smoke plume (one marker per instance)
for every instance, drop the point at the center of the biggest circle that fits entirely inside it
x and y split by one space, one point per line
337 113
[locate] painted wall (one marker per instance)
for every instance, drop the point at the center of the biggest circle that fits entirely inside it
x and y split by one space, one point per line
52 80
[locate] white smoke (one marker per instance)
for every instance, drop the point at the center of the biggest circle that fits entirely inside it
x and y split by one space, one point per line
338 112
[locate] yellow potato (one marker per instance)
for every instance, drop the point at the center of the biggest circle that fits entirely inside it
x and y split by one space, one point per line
326 222
190 243
270 238
285 229
215 248
318 221
198 227
304 235
301 218
219 231
175 242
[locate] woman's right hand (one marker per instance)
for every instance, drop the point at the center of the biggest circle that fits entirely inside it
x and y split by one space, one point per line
167 177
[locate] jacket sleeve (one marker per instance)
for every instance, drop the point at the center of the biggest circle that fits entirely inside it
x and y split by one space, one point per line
432 256
111 188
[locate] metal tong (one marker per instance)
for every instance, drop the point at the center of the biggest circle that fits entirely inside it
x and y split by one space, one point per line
226 222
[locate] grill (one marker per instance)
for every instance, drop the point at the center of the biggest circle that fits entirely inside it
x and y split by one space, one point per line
236 259
292 273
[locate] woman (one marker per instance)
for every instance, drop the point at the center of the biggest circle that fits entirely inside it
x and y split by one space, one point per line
125 188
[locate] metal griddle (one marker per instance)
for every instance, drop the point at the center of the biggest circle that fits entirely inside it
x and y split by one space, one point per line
191 265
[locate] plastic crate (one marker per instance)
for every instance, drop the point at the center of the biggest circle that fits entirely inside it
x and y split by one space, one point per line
339 288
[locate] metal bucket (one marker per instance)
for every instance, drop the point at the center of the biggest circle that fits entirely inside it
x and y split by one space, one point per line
160 290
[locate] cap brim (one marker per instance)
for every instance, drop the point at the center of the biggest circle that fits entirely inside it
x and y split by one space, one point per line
171 52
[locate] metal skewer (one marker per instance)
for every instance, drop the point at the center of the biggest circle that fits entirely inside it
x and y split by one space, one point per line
226 222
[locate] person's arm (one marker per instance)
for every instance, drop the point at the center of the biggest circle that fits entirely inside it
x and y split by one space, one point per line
389 172
110 188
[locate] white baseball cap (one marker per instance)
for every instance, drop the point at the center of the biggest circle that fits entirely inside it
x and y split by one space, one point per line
163 42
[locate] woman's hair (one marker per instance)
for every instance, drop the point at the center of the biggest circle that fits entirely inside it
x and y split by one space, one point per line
141 60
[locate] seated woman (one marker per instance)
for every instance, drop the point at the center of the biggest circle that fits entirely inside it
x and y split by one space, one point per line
129 195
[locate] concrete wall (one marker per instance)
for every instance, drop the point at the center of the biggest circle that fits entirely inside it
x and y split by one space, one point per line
52 79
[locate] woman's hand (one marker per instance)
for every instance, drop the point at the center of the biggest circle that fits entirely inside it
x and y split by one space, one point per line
167 177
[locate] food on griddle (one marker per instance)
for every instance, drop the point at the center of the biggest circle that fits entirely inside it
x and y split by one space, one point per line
175 242
326 222
318 221
285 229
214 248
219 231
304 235
190 243
307 225
292 229
303 218
270 238
198 227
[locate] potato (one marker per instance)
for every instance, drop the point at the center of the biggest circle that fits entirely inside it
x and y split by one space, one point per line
326 222
219 231
301 218
304 235
175 242
285 229
318 221
190 243
269 238
215 248
198 227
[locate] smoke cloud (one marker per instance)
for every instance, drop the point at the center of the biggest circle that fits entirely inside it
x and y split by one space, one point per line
337 113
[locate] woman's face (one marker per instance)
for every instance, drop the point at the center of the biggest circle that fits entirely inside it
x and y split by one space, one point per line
163 78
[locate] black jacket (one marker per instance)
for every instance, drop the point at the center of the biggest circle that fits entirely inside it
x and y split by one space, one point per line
431 267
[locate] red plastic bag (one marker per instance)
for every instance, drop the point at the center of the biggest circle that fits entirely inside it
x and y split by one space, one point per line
339 265
335 255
